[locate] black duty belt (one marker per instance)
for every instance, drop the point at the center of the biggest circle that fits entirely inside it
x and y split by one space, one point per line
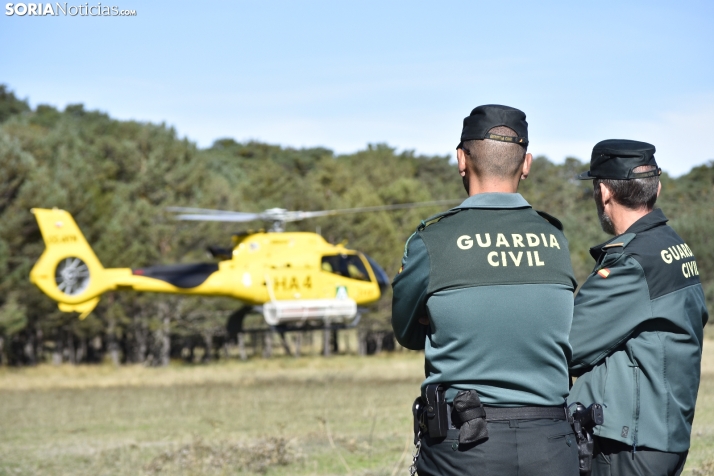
521 413
525 413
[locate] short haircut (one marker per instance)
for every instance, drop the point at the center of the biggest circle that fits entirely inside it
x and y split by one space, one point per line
495 158
634 194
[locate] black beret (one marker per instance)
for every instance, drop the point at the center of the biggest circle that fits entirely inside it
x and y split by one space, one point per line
484 118
617 158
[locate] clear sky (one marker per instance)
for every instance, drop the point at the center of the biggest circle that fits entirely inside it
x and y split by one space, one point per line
342 74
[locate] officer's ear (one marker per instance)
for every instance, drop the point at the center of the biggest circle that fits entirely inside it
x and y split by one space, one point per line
659 188
461 161
605 194
526 169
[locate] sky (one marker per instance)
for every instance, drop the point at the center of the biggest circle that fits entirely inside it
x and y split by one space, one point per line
344 74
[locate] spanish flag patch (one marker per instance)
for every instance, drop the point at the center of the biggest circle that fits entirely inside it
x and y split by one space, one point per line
401 268
604 273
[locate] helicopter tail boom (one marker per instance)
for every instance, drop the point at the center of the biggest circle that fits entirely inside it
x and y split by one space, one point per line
70 273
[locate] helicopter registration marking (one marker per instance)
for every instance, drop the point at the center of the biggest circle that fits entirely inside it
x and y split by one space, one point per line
62 239
291 283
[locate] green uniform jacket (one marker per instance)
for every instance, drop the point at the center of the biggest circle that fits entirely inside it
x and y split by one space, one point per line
495 281
637 336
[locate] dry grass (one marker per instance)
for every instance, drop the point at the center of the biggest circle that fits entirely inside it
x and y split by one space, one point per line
342 415
707 469
283 416
383 369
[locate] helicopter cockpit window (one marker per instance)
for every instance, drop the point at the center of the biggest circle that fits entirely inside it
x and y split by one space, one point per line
382 278
349 266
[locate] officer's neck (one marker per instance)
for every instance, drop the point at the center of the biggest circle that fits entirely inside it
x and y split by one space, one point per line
478 185
623 217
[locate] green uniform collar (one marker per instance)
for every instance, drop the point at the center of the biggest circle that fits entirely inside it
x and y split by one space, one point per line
495 200
652 219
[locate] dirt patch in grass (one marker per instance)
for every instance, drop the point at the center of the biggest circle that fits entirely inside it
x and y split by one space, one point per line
201 457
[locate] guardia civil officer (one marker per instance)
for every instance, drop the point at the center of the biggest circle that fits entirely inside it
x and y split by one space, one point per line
486 289
637 327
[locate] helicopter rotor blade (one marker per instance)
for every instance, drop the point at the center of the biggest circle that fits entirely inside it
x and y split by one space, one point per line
227 217
207 214
281 216
295 216
205 211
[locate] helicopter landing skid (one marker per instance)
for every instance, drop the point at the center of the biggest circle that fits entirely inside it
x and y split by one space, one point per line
304 311
327 326
306 326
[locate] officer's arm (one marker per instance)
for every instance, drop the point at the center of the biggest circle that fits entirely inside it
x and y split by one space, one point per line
409 301
607 310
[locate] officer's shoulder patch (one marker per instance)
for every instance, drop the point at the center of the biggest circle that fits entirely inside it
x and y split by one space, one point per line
618 244
551 219
436 218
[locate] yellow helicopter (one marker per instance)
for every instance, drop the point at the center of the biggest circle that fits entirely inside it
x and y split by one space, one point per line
292 278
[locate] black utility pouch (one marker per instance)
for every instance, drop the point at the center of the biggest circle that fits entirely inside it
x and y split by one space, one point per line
470 417
436 421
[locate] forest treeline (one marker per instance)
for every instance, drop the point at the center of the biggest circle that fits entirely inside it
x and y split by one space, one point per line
117 178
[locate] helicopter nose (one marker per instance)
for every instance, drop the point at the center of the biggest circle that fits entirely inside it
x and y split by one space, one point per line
383 287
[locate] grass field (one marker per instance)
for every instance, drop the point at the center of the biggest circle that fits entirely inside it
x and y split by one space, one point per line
340 415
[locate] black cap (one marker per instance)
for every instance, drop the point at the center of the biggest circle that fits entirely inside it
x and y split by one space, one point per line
484 118
617 158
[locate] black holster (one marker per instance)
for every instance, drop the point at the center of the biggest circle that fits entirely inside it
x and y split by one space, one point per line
469 417
419 421
583 421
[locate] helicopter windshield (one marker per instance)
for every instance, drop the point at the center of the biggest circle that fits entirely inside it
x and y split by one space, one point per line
382 278
349 266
